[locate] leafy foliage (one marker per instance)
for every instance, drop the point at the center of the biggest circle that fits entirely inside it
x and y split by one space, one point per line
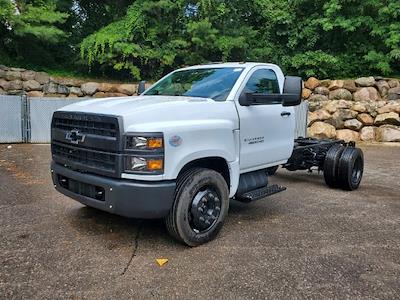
147 38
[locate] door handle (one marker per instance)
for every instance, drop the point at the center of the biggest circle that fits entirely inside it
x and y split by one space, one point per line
285 114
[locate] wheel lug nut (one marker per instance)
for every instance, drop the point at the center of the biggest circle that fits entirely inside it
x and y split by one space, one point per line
217 208
200 209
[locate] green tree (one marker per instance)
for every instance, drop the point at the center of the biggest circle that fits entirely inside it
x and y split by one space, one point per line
28 28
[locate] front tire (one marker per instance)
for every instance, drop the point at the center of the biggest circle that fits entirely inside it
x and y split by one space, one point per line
200 207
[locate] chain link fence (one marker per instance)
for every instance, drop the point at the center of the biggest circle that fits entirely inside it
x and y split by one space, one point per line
28 120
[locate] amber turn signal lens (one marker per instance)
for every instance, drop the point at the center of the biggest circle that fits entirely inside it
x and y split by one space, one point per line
154 143
155 164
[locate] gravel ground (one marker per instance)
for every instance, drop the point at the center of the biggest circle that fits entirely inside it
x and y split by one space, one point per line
307 242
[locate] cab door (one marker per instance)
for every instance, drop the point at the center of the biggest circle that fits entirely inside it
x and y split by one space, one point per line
267 130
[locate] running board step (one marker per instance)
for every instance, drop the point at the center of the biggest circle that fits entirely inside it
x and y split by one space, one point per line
260 193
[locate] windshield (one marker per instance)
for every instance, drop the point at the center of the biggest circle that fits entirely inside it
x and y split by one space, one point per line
214 83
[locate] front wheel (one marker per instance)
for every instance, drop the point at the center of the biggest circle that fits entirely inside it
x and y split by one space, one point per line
200 207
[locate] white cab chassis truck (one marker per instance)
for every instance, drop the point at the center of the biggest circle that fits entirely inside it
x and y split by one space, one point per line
194 140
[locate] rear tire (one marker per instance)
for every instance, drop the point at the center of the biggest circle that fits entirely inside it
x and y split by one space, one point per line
200 207
351 168
331 163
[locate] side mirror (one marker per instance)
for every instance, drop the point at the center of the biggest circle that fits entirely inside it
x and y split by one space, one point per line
245 100
293 87
141 87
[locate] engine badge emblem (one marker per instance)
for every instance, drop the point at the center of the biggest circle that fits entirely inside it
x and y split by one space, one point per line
175 141
75 137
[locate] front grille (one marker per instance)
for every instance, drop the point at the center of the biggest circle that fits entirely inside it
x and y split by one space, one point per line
74 156
86 124
87 142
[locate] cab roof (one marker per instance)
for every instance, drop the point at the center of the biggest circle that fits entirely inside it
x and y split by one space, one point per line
230 65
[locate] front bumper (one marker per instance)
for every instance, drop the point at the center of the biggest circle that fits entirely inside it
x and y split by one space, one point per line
128 198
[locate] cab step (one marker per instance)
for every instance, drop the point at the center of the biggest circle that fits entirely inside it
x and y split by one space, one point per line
260 193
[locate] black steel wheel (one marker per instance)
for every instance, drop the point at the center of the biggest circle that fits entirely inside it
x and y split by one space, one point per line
350 168
200 207
331 163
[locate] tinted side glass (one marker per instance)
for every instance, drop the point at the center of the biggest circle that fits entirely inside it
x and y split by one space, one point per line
262 82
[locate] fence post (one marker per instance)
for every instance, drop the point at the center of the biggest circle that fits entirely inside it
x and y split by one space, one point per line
25 119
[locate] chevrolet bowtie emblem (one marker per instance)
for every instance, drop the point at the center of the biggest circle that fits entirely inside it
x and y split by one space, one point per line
75 137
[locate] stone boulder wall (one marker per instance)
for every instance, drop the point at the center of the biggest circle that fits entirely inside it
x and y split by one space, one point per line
17 81
365 109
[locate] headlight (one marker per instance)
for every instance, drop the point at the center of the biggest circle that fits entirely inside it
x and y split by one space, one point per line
144 153
143 143
144 164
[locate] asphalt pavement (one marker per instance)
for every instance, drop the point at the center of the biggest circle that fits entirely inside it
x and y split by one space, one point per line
307 242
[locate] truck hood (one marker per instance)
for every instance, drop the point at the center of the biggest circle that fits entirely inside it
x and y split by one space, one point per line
148 113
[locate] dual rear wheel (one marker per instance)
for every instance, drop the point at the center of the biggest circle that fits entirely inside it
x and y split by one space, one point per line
343 167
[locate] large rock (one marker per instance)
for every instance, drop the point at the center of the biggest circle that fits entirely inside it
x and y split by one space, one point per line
393 106
321 130
306 93
2 73
42 77
383 87
114 95
89 88
366 119
372 107
318 98
368 133
15 85
321 90
394 93
311 83
353 124
4 84
35 94
340 116
359 107
2 92
128 89
366 94
54 95
336 84
28 75
68 81
391 118
62 89
75 91
334 105
340 94
365 81
313 106
319 115
347 135
12 75
388 133
17 69
393 83
325 83
350 85
107 87
50 88
99 95
31 85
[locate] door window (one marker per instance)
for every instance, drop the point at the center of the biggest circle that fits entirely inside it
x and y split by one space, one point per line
262 81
